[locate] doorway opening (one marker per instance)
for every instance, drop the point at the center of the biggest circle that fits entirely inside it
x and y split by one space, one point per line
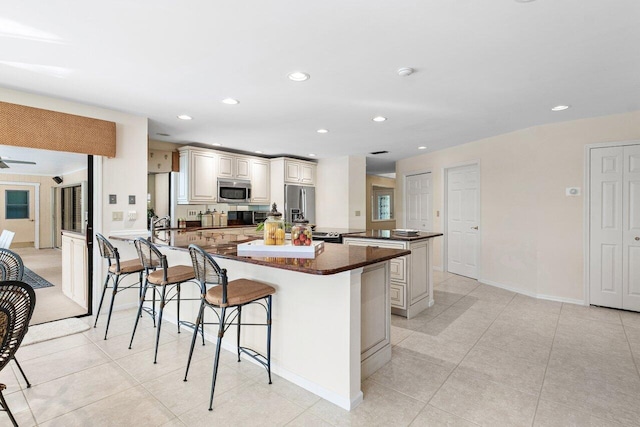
40 201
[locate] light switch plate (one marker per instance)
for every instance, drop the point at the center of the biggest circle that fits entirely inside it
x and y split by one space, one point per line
357 213
116 216
113 199
132 215
132 200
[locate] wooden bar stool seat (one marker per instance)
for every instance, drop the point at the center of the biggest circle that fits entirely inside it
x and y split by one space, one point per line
226 295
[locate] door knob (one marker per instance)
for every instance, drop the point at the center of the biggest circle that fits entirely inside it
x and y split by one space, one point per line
637 238
474 228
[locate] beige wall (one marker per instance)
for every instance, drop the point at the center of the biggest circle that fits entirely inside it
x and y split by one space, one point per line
532 234
379 181
340 192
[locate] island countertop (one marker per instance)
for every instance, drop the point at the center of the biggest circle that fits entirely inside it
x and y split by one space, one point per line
390 235
334 258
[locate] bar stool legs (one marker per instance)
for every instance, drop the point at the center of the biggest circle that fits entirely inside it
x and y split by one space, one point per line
217 359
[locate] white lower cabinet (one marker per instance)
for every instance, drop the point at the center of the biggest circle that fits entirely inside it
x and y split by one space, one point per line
411 276
74 267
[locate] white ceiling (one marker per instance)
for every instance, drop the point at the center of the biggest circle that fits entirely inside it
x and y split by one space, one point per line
48 163
483 67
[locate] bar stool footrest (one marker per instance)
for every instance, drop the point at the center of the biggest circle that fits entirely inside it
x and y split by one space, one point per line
258 357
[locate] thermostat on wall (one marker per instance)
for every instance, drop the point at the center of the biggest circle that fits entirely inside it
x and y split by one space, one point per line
573 191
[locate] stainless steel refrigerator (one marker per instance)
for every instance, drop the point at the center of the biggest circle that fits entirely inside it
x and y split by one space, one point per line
299 200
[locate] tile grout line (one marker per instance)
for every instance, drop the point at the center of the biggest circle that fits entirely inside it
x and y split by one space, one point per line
466 354
544 377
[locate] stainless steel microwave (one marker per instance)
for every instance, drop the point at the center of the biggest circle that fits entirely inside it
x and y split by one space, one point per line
234 191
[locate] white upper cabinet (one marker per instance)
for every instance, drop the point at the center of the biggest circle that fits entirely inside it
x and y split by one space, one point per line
260 181
230 166
197 180
299 172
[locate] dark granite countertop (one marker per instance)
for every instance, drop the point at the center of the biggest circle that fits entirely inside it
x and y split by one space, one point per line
390 235
334 258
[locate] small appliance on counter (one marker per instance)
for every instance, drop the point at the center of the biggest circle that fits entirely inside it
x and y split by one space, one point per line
247 217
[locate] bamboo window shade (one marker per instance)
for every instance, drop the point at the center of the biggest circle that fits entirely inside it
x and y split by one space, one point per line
30 127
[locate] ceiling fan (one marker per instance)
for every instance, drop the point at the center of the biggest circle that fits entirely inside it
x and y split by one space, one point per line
4 161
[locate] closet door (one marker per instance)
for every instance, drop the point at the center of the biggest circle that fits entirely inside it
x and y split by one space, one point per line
631 226
605 264
614 264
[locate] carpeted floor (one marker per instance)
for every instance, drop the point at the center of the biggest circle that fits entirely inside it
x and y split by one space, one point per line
35 280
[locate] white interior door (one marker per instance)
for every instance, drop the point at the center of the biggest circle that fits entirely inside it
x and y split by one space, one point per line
463 220
18 213
631 229
419 196
614 226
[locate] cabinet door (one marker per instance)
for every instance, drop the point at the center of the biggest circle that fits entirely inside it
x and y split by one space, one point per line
225 166
202 177
307 174
260 181
291 171
183 179
242 168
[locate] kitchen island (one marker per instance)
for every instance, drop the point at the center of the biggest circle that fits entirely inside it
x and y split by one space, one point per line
411 275
331 314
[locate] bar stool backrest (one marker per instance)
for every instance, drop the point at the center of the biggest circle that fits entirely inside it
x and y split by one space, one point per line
150 257
11 265
207 271
107 250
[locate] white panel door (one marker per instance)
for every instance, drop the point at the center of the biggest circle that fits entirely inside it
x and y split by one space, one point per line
605 275
614 225
463 220
631 229
419 202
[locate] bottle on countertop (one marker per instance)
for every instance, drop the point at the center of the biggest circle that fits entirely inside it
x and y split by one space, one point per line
223 219
274 228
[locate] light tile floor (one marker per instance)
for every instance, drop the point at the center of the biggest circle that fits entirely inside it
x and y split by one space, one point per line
479 356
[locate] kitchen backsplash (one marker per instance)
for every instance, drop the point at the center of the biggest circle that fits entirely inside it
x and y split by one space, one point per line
190 212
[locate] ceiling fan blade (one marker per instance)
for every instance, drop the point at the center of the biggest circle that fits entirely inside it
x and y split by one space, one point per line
18 161
3 165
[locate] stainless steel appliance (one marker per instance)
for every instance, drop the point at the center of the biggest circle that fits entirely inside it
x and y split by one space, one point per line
234 191
299 200
328 236
246 217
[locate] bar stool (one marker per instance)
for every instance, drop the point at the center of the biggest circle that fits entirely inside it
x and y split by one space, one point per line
164 277
115 271
234 295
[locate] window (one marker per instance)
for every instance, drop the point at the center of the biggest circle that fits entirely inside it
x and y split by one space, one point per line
71 202
382 203
17 204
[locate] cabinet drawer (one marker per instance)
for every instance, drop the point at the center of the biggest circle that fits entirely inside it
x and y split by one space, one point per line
398 268
397 295
373 242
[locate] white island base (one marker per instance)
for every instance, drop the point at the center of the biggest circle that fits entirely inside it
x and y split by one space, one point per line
329 331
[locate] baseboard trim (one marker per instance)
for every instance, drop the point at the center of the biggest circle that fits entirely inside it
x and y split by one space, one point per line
532 294
332 397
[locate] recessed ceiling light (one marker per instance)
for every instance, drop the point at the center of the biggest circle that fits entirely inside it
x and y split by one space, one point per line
560 107
298 76
322 131
311 155
379 119
230 101
184 117
162 134
405 71
422 147
258 152
217 144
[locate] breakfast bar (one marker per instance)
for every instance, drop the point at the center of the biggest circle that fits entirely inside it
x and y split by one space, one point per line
331 313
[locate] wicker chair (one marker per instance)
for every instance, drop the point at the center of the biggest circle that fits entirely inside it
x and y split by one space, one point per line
228 295
115 271
12 268
17 301
164 277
